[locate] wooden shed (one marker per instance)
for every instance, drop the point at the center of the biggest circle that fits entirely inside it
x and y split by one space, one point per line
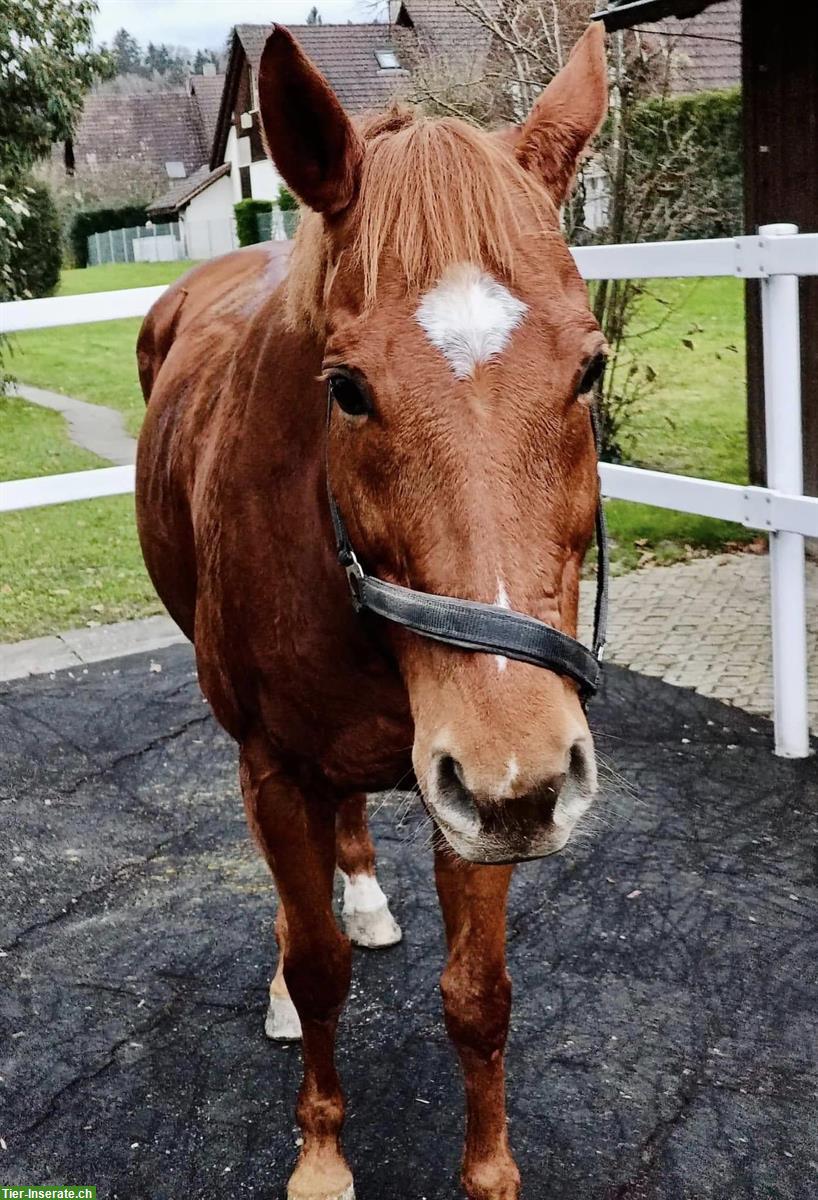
780 107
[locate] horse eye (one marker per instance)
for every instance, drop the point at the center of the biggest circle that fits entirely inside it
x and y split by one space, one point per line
592 374
349 396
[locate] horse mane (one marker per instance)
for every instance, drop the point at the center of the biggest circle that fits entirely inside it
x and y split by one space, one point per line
433 192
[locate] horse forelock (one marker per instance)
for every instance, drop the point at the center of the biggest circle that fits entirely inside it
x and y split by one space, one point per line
433 193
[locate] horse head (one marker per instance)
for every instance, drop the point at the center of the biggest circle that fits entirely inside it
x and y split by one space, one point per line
460 352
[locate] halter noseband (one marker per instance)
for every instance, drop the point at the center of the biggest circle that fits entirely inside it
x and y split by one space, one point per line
487 628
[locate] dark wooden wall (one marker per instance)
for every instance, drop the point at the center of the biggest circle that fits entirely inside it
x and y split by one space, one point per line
780 95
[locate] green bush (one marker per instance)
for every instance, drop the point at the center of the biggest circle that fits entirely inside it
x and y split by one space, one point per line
247 212
287 202
100 220
704 132
35 263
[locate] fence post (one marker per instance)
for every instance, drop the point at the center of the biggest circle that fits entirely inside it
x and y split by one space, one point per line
785 473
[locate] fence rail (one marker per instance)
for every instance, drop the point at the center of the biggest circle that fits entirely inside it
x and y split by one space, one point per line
777 256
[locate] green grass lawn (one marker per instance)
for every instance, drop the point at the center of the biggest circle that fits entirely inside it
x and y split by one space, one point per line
93 362
80 563
692 421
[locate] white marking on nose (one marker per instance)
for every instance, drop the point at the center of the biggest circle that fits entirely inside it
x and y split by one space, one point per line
512 771
469 317
502 601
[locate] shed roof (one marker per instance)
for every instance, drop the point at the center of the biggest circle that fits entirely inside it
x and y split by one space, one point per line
184 190
624 14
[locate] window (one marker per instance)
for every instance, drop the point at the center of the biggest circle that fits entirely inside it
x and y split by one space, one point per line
175 170
387 59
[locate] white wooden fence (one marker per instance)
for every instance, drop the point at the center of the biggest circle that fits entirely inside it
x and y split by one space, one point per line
777 256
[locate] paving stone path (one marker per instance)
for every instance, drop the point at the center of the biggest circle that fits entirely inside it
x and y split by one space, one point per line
705 625
92 426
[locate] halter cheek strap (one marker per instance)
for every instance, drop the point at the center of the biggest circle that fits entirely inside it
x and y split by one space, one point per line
485 628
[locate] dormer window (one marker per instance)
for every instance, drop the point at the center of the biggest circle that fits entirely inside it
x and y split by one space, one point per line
387 59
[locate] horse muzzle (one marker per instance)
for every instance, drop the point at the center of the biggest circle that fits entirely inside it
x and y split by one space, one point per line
509 820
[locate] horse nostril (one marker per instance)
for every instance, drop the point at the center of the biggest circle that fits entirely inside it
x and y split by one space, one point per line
452 788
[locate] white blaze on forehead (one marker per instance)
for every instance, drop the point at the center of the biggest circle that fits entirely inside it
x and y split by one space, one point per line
469 317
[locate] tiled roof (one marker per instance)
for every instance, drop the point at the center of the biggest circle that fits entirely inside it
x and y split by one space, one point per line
185 189
345 54
155 127
707 47
208 92
442 26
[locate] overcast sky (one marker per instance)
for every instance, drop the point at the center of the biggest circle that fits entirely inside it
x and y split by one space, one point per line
205 23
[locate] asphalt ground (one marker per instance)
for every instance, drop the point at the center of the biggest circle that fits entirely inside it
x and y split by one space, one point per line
664 1038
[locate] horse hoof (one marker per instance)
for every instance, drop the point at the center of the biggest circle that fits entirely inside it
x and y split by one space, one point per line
318 1179
347 1194
373 930
296 1194
281 1023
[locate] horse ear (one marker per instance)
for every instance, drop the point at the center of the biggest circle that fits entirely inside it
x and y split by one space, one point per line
567 115
311 139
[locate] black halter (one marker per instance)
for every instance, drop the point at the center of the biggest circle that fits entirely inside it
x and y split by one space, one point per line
487 628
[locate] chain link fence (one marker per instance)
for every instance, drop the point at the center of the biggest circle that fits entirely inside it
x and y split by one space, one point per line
183 239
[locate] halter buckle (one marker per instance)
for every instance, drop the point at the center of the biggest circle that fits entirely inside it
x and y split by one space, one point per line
355 574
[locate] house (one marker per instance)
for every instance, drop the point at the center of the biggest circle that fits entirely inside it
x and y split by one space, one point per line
359 61
368 65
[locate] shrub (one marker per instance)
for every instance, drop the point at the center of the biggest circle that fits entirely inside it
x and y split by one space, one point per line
703 132
286 200
247 213
36 256
100 220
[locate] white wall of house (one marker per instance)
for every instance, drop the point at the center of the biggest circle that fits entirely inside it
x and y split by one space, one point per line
207 221
264 180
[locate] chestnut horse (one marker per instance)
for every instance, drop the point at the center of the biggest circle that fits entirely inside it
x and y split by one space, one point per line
431 291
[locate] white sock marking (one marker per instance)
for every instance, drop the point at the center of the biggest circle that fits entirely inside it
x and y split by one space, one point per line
469 317
362 894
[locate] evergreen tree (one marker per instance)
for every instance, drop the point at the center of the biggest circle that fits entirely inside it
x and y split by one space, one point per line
127 53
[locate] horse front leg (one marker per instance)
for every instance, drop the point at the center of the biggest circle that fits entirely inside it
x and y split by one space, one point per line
477 1003
296 832
367 919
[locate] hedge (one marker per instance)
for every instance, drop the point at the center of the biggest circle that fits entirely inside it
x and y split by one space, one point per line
35 265
708 200
100 220
247 212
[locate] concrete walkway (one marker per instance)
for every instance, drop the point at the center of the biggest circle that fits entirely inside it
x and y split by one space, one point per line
703 625
91 426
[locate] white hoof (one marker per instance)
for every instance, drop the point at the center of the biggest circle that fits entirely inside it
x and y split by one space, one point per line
373 930
347 1194
281 1023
